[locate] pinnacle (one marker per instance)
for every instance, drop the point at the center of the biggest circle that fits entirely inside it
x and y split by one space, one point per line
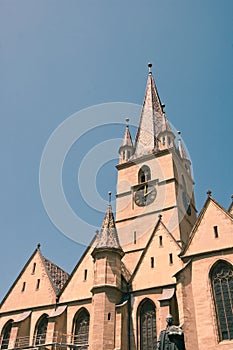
108 237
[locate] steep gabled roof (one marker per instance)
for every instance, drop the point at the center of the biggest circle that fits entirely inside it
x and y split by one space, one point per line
55 278
203 228
85 255
159 222
57 275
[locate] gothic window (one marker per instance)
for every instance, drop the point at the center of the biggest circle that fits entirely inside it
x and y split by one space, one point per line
81 329
6 335
144 174
221 277
41 330
147 325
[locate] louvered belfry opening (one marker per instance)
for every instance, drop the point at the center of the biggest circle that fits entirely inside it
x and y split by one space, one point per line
147 323
81 329
221 277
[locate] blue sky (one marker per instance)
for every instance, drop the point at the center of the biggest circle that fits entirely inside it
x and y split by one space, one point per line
58 57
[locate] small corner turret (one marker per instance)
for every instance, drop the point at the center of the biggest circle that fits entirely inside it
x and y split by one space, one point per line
183 154
166 137
126 150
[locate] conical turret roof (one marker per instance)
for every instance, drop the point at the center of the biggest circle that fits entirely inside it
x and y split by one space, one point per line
108 237
127 140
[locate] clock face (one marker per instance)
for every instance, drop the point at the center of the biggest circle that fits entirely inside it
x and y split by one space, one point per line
145 195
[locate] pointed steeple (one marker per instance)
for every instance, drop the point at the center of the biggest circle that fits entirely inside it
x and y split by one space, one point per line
126 150
108 237
151 121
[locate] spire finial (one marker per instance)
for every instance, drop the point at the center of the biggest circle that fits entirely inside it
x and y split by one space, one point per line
38 246
109 197
179 133
127 122
209 193
232 197
150 67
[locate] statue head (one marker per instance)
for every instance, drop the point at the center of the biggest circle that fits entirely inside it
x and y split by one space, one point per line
169 320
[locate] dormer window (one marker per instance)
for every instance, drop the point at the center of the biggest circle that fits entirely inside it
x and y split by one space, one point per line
144 174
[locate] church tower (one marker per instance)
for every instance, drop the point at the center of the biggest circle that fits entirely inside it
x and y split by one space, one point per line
154 178
106 290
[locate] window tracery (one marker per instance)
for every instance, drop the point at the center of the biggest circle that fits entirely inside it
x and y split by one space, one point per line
6 335
147 325
221 277
81 329
41 330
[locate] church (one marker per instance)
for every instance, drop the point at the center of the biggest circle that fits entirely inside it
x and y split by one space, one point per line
156 257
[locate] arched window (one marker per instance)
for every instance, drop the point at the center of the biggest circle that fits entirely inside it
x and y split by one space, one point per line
81 329
147 325
221 277
41 330
6 332
144 174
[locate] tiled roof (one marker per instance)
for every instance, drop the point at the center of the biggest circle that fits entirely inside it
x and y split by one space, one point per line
108 237
56 274
151 121
127 140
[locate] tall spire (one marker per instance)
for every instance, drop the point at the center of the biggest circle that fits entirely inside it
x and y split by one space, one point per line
108 237
151 121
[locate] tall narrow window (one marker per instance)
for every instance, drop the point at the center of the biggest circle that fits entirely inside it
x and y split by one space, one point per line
152 262
41 330
160 241
6 333
38 284
81 329
170 258
135 237
23 287
221 277
109 316
147 325
144 174
85 274
216 231
33 268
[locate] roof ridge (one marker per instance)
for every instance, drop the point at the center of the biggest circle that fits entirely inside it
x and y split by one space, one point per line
60 268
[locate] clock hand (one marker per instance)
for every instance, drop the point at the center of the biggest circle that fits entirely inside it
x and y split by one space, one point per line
146 194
